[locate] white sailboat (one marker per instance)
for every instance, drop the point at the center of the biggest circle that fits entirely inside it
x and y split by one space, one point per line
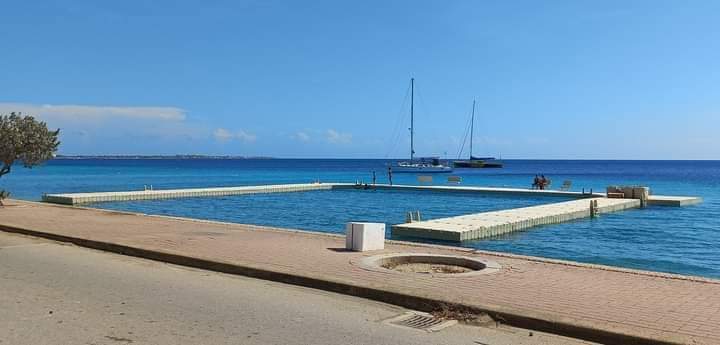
472 161
418 165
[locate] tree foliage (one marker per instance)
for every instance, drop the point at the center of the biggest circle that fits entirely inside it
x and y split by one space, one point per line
25 139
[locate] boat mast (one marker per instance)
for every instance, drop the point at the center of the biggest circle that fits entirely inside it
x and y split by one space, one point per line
472 126
412 118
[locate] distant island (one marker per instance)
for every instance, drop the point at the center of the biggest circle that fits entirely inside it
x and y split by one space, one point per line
157 157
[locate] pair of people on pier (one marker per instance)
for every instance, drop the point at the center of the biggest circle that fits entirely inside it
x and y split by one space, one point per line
540 182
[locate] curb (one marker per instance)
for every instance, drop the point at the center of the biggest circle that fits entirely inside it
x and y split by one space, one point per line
559 327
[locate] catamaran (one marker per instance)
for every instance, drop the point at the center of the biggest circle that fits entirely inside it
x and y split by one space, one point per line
476 162
418 165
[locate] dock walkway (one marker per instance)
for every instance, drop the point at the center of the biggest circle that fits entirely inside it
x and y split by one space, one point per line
94 197
488 224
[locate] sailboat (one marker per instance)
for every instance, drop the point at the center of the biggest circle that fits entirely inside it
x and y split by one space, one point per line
476 162
418 165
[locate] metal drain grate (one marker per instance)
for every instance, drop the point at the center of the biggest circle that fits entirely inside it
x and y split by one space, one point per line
420 321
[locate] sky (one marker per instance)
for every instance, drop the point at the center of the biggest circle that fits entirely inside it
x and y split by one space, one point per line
568 79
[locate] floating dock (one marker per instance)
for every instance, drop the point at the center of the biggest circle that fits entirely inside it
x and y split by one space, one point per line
87 198
664 200
95 197
489 224
472 226
493 190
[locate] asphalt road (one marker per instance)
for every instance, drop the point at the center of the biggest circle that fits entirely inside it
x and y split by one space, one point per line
53 293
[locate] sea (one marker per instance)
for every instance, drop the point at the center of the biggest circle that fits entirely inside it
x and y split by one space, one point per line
683 240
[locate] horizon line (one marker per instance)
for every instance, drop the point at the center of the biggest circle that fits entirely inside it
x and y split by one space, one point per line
213 156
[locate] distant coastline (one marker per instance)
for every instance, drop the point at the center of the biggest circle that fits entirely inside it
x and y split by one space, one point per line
77 157
231 157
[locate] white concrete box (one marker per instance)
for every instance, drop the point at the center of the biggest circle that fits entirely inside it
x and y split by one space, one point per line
362 237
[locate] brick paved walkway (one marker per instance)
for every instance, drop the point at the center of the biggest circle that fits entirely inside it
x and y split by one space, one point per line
644 304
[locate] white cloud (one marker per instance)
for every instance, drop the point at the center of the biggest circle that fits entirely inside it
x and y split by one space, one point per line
100 129
223 135
73 112
246 137
335 137
91 129
301 136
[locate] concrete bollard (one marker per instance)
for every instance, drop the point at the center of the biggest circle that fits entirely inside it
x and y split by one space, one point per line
361 236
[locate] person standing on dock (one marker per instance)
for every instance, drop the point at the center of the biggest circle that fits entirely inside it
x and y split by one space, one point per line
544 182
536 182
390 175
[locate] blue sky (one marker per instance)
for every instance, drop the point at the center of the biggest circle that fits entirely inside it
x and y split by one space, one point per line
554 79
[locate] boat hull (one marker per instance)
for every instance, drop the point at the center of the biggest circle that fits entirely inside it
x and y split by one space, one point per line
476 164
428 170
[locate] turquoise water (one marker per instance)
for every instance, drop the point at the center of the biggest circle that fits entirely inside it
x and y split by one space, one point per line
679 240
328 210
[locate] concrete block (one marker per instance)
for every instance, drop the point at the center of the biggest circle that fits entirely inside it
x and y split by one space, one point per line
614 189
642 193
361 237
628 191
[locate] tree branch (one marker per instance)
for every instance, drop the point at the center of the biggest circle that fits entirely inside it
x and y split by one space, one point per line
5 169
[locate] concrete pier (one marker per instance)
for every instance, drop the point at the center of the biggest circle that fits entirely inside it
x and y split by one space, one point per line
488 224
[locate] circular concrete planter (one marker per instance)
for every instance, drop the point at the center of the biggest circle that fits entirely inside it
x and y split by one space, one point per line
429 264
